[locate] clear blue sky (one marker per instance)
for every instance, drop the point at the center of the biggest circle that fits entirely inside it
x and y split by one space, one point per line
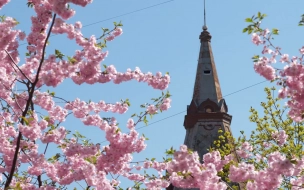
165 38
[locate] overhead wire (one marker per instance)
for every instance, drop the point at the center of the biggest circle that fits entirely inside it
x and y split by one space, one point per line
186 110
128 13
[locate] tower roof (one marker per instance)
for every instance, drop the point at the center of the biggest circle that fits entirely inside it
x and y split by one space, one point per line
207 85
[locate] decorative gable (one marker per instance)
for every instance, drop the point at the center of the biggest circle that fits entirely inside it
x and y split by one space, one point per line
208 106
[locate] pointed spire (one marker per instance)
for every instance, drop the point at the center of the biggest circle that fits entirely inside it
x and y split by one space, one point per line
207 84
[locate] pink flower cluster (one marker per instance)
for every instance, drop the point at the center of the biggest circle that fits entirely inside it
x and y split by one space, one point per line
114 34
256 39
290 77
280 137
164 105
3 2
270 177
245 150
81 109
186 171
263 68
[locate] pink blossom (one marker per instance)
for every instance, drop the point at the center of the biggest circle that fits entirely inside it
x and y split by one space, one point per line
265 32
152 109
3 2
283 92
280 137
265 70
256 39
117 32
285 58
302 50
110 37
78 25
266 50
22 35
166 104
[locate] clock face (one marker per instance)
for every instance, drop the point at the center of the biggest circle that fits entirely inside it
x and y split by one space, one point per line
208 110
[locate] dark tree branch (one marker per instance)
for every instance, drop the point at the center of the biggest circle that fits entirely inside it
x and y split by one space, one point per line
16 65
29 101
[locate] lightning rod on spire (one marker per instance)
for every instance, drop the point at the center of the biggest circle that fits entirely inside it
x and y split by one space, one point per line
205 25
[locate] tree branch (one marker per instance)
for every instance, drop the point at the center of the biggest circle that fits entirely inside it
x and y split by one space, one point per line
16 65
31 93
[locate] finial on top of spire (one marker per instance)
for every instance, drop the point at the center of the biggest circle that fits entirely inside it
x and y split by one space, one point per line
205 35
205 25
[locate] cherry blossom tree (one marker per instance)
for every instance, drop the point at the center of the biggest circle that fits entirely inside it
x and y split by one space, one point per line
24 129
31 120
272 156
290 78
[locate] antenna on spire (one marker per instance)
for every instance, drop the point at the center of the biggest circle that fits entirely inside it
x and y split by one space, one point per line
205 26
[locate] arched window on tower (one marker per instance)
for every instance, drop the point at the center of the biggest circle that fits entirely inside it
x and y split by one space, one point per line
208 109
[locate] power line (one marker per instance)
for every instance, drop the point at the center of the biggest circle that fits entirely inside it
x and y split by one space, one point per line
128 13
186 110
246 88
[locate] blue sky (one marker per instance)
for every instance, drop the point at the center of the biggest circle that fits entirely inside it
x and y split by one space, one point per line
165 38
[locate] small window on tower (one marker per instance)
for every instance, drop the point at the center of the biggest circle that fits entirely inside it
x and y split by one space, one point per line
208 110
207 72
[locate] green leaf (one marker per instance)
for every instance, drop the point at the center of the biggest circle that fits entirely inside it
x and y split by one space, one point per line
71 60
105 29
18 186
30 4
145 120
259 14
54 158
275 31
171 151
250 30
119 24
58 54
168 95
117 130
245 30
2 18
248 20
255 57
127 102
25 120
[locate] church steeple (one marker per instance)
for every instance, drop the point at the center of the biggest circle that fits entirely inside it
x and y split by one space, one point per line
207 112
207 84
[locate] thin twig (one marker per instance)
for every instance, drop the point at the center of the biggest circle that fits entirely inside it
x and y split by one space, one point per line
16 65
